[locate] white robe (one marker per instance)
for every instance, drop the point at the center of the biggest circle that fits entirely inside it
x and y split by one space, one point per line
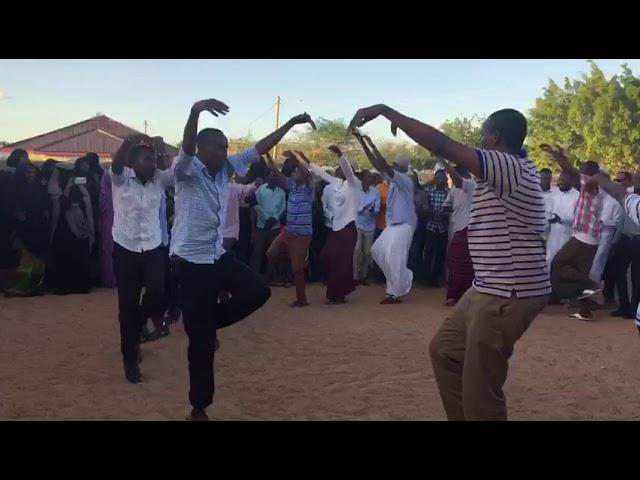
562 204
391 252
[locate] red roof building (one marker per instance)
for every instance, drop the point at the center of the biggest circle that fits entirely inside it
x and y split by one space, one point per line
100 134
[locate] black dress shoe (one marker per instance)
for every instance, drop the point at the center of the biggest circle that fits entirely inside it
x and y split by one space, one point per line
132 373
198 415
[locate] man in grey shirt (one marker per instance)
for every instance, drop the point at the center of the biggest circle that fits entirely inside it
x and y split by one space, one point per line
391 250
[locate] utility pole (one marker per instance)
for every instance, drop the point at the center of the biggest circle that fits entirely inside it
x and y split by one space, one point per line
275 149
145 127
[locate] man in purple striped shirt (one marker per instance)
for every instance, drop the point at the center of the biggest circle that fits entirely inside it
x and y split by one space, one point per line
471 350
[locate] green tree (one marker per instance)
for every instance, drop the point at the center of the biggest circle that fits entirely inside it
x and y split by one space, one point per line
594 118
464 130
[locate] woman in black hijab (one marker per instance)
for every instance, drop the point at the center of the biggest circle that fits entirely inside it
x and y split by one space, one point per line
30 211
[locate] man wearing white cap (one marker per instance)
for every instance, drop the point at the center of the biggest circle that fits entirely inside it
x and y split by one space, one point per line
391 250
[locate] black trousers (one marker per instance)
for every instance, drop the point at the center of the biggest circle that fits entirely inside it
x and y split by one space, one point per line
135 271
435 255
171 287
202 315
628 253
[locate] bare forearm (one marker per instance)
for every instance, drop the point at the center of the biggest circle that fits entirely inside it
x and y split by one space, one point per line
190 133
455 176
379 162
435 141
120 158
271 140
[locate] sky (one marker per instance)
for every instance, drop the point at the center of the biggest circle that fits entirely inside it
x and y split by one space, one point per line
37 96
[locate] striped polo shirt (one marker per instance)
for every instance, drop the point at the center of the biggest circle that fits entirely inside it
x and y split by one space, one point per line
506 228
299 209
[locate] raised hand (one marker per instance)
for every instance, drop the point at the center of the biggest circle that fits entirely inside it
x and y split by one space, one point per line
555 152
335 149
302 156
139 138
304 118
394 130
215 107
365 115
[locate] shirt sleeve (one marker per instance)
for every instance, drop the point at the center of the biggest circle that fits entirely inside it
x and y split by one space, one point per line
500 170
243 160
632 207
119 179
468 186
182 166
166 177
347 169
376 206
318 172
402 181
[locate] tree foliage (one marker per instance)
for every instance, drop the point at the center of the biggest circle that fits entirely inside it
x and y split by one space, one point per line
464 130
594 118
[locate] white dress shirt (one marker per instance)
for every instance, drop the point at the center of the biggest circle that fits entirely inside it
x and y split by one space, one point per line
136 209
347 194
461 199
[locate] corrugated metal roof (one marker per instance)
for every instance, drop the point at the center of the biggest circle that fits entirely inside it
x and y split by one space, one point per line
100 134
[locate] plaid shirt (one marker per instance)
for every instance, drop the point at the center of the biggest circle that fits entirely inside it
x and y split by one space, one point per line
587 218
437 220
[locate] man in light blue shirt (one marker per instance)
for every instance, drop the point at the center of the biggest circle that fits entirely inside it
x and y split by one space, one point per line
271 202
366 225
202 266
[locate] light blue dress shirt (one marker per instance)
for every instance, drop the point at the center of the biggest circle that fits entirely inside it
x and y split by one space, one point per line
201 206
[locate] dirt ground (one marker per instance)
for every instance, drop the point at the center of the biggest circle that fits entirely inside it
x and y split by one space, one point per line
60 359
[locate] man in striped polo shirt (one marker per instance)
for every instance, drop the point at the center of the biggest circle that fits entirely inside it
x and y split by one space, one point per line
471 350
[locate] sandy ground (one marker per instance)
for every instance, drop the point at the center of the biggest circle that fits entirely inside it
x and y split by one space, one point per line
59 359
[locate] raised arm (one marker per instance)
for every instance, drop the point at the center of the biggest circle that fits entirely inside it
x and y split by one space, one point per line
374 155
190 135
345 165
616 190
456 178
560 157
271 140
430 138
121 156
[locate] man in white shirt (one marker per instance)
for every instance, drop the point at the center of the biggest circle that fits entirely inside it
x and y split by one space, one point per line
560 211
611 218
337 254
391 249
138 192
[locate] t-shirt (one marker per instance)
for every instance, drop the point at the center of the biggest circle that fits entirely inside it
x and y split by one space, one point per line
299 209
506 228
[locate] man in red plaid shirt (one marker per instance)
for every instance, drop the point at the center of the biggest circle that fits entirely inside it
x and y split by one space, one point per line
571 266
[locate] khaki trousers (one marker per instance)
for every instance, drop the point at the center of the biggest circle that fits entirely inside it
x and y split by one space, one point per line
470 352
